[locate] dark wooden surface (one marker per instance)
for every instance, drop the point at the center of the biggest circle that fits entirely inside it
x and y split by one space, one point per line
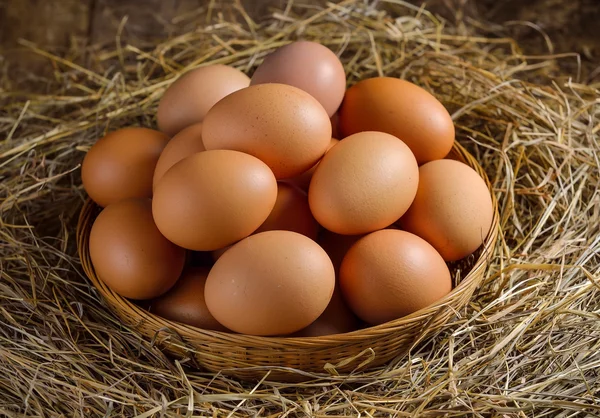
67 25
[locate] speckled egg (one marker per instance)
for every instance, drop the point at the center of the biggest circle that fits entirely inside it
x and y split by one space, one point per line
452 210
364 183
281 125
402 109
390 274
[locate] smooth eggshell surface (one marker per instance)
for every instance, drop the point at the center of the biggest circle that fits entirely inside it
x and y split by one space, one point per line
185 301
309 66
271 283
130 255
121 165
402 109
281 125
364 183
213 198
190 97
184 144
453 209
390 274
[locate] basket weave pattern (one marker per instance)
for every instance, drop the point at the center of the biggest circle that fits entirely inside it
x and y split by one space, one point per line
246 357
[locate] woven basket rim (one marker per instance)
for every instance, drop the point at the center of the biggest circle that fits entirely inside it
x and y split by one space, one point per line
112 298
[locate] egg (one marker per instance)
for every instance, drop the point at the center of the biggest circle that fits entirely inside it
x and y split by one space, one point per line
130 255
271 283
309 66
190 97
364 183
402 109
185 301
336 319
281 125
121 165
452 210
390 273
291 213
213 198
303 180
184 144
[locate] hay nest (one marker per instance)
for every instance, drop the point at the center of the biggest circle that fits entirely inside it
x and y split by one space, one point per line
528 343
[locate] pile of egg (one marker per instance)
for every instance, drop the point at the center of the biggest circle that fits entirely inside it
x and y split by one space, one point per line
285 204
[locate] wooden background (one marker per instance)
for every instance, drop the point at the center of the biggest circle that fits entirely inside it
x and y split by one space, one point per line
64 25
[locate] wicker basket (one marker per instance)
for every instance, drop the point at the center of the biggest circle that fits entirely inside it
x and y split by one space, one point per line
249 357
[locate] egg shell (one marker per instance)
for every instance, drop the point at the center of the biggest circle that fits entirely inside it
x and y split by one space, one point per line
390 274
281 125
309 66
364 183
129 253
184 144
185 301
190 97
271 283
303 180
452 210
214 198
121 165
336 319
402 109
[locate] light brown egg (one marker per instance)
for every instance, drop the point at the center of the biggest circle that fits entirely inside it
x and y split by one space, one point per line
271 283
402 109
184 144
453 209
190 97
185 301
130 255
213 198
336 319
390 274
303 180
121 165
281 125
291 213
363 184
309 66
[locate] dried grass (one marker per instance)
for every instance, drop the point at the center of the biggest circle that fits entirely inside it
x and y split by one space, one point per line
527 345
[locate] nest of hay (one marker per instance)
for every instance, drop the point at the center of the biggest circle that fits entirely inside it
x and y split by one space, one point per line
527 344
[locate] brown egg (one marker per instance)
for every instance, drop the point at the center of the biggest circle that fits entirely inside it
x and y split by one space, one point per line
309 66
121 165
185 301
190 97
271 283
213 198
303 180
390 274
453 209
363 184
291 213
336 319
402 109
184 144
281 125
130 255
335 121
336 246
